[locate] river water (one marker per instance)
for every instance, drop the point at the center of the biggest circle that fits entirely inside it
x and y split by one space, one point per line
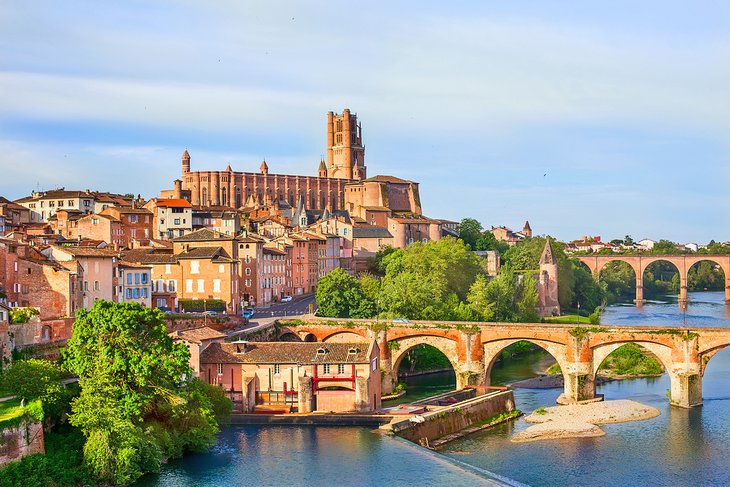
680 447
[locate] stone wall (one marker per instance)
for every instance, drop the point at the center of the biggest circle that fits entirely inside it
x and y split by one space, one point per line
438 424
20 441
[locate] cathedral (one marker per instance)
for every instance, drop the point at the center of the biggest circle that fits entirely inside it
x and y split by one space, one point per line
234 189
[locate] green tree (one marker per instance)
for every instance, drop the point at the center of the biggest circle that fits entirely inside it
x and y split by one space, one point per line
340 295
470 230
527 300
136 407
487 241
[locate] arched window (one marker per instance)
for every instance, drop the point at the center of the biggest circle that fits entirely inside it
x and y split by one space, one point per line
339 126
224 196
238 197
204 193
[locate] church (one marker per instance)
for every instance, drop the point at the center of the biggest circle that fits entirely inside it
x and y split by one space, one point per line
234 189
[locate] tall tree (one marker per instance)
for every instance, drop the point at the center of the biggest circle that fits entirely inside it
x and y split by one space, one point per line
340 295
470 230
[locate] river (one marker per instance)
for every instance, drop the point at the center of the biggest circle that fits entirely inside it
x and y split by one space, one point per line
680 447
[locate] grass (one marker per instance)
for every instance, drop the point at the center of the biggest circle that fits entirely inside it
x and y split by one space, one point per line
10 410
540 411
568 320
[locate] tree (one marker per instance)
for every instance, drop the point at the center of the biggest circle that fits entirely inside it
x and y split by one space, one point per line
487 241
527 300
628 240
137 405
339 295
470 230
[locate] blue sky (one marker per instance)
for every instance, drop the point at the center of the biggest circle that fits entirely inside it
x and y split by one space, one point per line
606 118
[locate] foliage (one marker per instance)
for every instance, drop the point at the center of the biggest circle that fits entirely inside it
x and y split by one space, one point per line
554 369
487 241
22 315
424 357
631 359
470 230
340 295
540 411
136 409
618 281
39 379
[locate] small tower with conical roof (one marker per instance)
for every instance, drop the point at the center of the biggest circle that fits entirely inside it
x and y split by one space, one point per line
322 171
185 162
547 286
526 230
264 168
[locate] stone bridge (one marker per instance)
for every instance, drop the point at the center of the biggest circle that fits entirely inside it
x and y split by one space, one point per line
472 348
639 262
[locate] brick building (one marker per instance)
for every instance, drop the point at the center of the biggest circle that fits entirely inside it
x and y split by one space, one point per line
336 377
99 270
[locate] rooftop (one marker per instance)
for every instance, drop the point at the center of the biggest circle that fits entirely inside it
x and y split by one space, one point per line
286 353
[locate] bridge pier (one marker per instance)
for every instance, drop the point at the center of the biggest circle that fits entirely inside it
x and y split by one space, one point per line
639 292
388 379
686 389
683 289
580 384
727 289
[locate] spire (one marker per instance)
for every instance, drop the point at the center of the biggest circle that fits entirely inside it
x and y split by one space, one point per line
326 214
322 165
264 168
548 256
228 168
526 227
186 155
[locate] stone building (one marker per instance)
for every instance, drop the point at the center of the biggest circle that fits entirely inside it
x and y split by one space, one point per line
308 377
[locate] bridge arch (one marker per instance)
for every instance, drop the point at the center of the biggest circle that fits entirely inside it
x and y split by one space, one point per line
492 350
707 354
401 346
696 263
601 352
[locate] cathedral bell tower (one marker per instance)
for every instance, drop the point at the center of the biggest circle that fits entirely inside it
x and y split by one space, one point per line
345 152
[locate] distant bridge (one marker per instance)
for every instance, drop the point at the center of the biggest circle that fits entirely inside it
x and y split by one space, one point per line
639 262
472 348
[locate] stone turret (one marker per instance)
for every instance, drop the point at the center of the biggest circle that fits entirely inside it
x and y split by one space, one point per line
547 286
264 168
322 171
526 230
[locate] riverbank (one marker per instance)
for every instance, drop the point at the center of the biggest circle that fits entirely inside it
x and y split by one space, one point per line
581 420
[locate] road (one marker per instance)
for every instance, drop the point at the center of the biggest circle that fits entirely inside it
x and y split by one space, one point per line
296 308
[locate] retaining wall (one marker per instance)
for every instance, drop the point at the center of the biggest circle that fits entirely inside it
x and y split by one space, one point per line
21 440
455 418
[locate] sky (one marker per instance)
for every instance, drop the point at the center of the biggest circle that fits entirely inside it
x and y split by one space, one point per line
585 118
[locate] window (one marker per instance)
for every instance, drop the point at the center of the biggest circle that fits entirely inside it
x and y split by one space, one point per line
167 269
86 285
375 364
277 368
248 271
136 277
133 218
129 293
201 285
326 369
220 369
87 202
216 285
161 303
96 285
188 285
70 202
221 268
195 267
248 282
145 278
171 286
177 221
340 368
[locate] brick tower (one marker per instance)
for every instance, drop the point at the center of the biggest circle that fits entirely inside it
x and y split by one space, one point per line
345 152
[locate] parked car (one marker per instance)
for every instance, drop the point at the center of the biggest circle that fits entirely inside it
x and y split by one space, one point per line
400 320
286 299
210 312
